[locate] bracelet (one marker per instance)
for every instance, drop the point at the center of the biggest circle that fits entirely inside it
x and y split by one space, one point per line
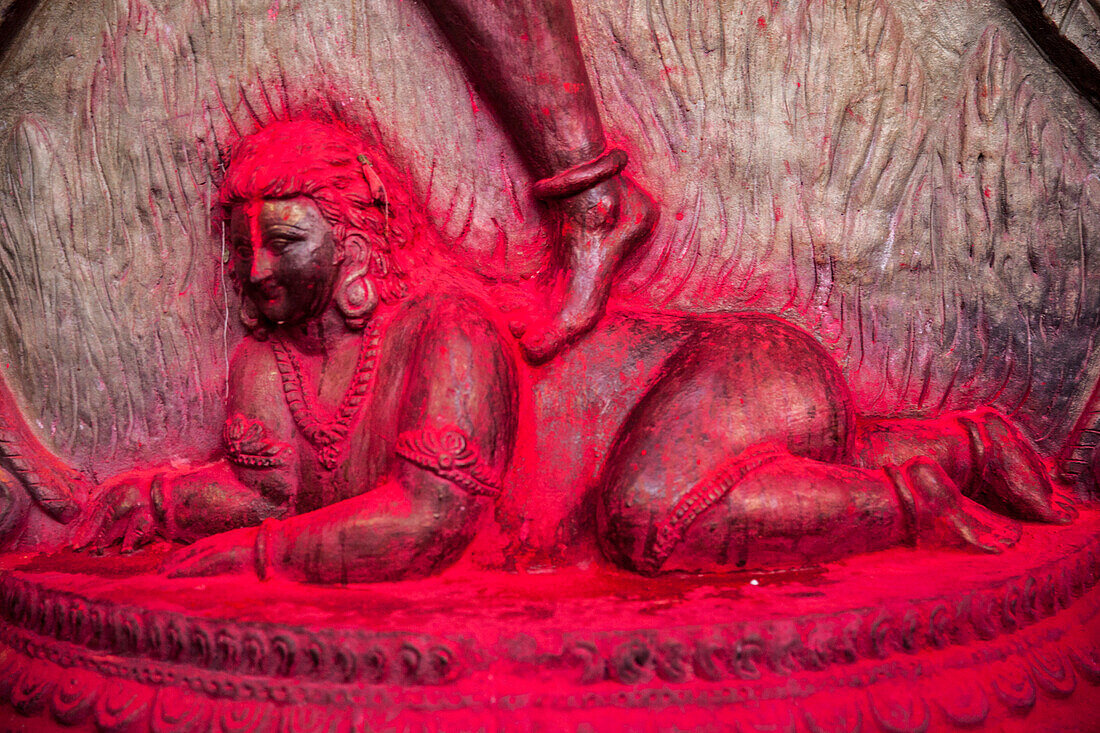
160 501
582 176
263 559
978 439
907 500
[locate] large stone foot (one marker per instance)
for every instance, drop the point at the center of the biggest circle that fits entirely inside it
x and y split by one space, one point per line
1009 476
600 227
940 516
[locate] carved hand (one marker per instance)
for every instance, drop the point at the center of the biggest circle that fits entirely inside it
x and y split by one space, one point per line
119 510
228 552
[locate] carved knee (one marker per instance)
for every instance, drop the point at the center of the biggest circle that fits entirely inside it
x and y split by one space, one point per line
624 518
641 527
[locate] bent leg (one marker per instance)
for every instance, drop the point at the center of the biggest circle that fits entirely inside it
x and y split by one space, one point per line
736 458
767 509
892 442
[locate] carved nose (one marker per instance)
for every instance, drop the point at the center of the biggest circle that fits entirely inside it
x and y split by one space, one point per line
261 267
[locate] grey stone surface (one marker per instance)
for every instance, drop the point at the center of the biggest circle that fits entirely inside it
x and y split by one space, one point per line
909 180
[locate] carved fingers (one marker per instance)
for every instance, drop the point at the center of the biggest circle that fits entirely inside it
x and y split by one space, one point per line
140 530
119 511
1064 505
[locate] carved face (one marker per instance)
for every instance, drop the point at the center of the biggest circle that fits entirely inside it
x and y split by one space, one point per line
285 258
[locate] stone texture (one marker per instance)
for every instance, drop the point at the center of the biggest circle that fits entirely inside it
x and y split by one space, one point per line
910 181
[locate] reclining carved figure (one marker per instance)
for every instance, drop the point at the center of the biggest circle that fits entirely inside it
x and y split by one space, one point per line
373 414
370 410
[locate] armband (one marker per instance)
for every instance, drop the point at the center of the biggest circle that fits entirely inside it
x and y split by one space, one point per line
249 445
449 454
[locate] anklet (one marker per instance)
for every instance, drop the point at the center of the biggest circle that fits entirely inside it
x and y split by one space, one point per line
907 501
701 497
582 176
978 439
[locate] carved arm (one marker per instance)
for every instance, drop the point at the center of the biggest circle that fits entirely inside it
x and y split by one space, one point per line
257 479
456 430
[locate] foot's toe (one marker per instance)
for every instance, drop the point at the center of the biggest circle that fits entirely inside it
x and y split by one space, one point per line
544 344
1065 508
993 531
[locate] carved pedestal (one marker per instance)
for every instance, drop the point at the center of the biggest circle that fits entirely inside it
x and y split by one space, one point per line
902 641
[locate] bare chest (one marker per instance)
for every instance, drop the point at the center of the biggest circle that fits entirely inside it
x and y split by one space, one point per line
339 417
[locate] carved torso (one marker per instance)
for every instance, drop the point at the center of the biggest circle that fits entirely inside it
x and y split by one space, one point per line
258 393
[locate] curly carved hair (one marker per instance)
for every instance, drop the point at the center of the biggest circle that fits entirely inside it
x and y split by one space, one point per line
355 187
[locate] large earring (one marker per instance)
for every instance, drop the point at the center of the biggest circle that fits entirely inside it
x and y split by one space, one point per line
250 318
356 298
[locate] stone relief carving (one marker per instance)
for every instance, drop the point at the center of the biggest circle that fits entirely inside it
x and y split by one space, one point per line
744 452
708 131
353 266
652 288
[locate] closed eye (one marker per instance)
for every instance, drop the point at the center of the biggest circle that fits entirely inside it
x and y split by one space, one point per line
282 242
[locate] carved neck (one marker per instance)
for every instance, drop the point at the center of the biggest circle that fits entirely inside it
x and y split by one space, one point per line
319 336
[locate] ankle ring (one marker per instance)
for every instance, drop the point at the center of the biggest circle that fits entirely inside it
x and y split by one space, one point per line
582 176
979 441
907 501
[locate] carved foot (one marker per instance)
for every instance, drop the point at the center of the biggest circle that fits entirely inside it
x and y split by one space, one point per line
600 227
1010 477
14 505
941 516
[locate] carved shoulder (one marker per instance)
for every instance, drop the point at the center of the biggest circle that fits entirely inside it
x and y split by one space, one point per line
255 388
461 375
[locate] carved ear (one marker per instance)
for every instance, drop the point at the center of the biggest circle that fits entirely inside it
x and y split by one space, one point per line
356 295
250 316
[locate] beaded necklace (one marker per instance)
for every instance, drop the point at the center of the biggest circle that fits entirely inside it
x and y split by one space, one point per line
326 434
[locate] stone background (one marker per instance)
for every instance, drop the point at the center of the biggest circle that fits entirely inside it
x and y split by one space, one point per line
908 179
